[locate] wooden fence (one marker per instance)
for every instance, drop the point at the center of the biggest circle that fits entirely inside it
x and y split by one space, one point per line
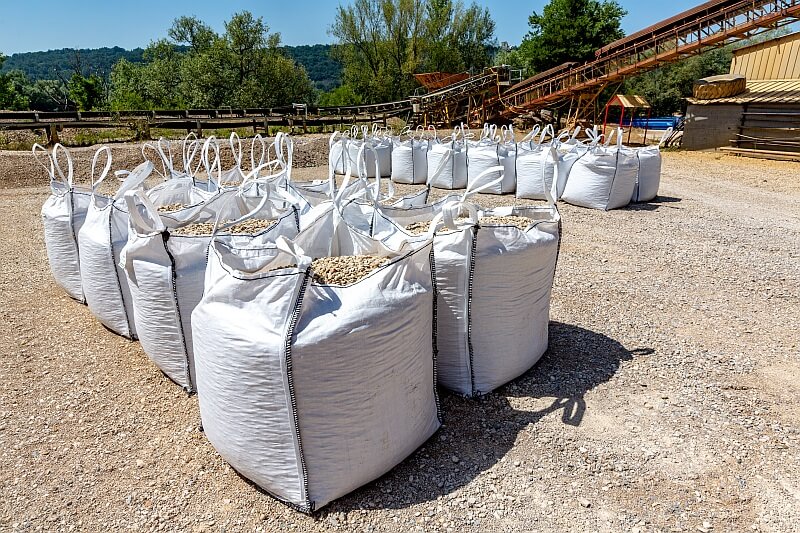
296 118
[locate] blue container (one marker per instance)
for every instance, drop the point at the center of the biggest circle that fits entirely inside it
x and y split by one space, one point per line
657 123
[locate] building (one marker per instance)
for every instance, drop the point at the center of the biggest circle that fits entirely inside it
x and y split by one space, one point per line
766 117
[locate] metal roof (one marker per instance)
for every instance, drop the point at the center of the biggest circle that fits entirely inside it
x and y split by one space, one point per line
776 59
629 101
761 92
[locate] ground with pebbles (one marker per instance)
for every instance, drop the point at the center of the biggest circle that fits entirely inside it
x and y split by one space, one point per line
669 399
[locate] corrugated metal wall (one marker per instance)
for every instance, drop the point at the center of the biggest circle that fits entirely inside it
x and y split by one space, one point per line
772 60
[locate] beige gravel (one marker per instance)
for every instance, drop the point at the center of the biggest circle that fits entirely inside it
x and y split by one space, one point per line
171 208
419 228
345 269
248 227
669 399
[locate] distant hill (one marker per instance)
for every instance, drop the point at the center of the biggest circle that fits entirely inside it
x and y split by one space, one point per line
323 71
44 65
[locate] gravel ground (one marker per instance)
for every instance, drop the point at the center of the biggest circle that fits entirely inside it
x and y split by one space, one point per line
669 399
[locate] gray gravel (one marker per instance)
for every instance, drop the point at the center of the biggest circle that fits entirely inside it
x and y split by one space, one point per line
669 399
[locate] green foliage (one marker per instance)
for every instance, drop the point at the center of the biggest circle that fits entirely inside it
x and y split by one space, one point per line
192 32
45 65
569 30
510 56
47 95
382 43
87 92
324 71
244 67
12 89
341 96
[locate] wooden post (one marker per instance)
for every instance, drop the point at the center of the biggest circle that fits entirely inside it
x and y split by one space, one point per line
199 129
52 134
144 130
266 125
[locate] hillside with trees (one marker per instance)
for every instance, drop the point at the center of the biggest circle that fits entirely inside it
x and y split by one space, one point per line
323 70
46 65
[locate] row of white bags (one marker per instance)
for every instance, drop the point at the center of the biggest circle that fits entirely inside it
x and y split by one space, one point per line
590 174
256 333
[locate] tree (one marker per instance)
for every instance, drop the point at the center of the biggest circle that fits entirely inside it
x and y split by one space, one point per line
192 32
47 95
196 67
249 39
343 95
12 89
86 92
570 30
382 43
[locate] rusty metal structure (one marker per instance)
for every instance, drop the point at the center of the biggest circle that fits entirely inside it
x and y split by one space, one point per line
470 99
709 25
433 81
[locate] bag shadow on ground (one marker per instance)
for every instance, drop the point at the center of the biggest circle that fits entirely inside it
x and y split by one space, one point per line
478 433
654 204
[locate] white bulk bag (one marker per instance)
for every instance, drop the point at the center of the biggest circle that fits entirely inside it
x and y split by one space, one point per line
167 270
648 178
507 150
378 155
101 239
493 296
536 171
337 152
537 166
483 154
447 163
603 177
383 146
569 151
312 390
178 186
191 148
410 160
63 214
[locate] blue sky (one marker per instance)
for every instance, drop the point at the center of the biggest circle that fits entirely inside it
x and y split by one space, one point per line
50 24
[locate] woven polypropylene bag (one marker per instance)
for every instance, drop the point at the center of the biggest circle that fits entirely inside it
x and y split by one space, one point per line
303 425
648 177
167 269
410 161
101 239
63 214
447 165
604 177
